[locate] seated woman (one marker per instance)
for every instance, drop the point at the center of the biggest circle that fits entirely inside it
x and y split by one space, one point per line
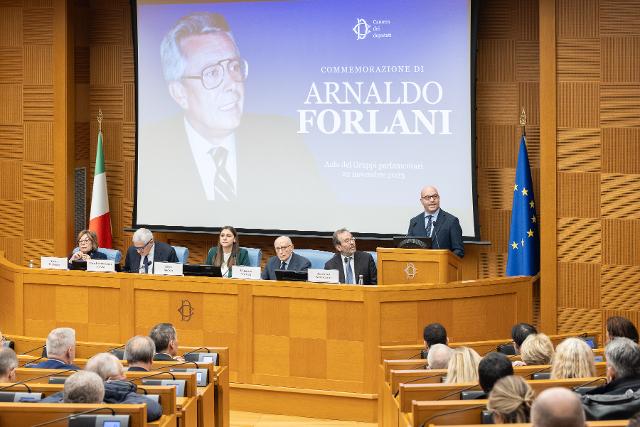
463 366
618 326
228 252
573 359
510 401
87 247
537 349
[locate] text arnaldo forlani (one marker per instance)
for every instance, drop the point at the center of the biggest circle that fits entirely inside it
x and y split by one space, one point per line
416 114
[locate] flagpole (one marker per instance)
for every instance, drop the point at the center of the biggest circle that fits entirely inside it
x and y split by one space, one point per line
523 122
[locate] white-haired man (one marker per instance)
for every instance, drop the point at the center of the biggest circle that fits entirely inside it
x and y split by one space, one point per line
145 251
61 350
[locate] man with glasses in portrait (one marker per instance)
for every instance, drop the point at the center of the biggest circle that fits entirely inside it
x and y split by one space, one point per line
442 227
221 155
354 267
145 251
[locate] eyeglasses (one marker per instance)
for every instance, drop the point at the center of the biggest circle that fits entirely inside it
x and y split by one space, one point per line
141 248
84 241
213 75
431 197
349 240
282 248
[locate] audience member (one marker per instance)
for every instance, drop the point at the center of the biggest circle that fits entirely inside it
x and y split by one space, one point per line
139 352
573 359
434 333
520 332
463 366
536 349
618 326
510 400
116 388
165 338
61 350
83 387
491 368
8 365
623 367
439 356
557 407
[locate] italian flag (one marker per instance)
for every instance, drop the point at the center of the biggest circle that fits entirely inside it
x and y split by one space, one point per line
100 219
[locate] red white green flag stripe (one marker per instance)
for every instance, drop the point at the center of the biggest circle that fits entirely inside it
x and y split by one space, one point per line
100 219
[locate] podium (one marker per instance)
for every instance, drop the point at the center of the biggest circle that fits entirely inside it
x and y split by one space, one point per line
413 266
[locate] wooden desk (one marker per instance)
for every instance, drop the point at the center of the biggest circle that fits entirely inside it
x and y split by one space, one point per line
293 347
397 266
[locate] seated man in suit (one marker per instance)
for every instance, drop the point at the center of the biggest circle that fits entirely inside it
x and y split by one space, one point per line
83 387
139 352
8 365
61 350
350 263
165 339
443 228
144 252
285 259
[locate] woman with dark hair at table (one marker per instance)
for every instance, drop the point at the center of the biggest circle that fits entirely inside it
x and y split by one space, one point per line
228 252
87 247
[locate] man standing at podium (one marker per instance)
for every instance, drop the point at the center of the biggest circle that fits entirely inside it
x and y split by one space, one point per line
443 228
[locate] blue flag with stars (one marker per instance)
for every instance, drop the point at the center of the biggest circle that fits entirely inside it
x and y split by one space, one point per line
524 241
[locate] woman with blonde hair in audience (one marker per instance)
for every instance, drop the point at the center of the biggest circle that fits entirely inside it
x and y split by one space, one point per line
510 400
537 349
573 359
463 366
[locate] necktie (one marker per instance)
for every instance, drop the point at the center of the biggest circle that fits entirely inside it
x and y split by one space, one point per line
145 262
283 265
429 225
222 182
348 273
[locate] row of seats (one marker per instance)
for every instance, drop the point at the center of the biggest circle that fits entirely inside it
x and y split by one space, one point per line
318 258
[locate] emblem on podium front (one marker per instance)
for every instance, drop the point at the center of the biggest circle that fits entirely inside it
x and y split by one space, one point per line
185 310
410 271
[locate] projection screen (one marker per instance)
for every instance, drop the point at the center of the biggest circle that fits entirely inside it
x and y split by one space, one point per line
303 116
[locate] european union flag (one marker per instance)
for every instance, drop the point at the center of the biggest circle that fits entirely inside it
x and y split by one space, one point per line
524 240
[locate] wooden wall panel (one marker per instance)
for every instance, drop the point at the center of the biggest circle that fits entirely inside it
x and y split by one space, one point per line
578 105
619 17
577 19
11 67
36 183
10 26
579 285
38 25
579 240
621 242
11 145
11 105
10 176
619 287
38 103
579 150
11 218
620 196
38 142
621 59
578 319
619 105
579 195
621 150
579 60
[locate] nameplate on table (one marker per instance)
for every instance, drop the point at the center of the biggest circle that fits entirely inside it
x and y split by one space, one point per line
318 275
101 265
167 268
244 272
54 263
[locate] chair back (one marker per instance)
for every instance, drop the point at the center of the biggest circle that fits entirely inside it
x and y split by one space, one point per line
182 253
374 254
255 255
317 258
112 254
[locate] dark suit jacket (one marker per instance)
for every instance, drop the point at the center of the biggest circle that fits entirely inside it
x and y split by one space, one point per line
137 369
447 233
162 253
363 264
241 259
53 364
618 386
297 263
163 357
260 142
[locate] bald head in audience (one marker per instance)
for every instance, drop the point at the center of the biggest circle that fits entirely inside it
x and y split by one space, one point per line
557 407
139 353
439 356
107 366
83 387
8 365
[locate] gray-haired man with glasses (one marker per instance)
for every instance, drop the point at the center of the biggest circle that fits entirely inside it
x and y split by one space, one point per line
205 74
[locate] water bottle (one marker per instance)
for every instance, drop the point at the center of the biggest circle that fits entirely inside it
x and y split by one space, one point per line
360 279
